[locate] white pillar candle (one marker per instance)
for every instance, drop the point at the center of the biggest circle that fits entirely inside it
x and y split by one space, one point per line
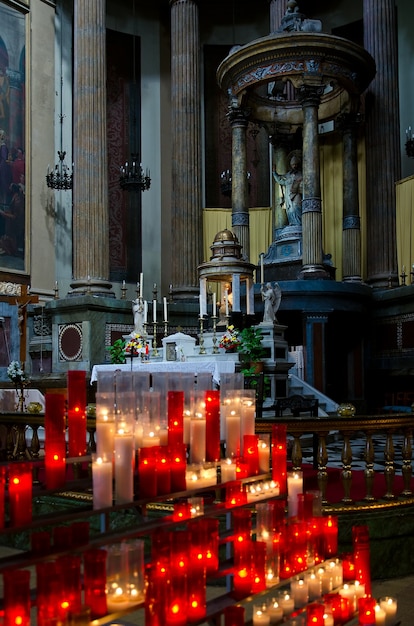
260 616
389 605
233 433
228 471
274 611
380 616
295 486
262 268
328 619
165 309
226 300
150 439
154 311
105 432
145 311
197 439
102 482
314 586
124 456
141 284
247 417
200 301
287 603
348 591
214 303
264 456
299 592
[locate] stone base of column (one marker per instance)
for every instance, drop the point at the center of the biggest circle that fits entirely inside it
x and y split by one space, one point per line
185 293
91 286
314 272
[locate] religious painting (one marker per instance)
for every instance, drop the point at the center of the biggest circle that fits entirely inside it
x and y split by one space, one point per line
12 139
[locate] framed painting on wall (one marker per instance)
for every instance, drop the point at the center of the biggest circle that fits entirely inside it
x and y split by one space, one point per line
13 206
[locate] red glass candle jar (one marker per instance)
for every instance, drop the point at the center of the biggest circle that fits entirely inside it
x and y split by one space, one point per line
366 611
315 614
94 581
212 401
70 594
47 593
251 454
163 470
2 493
279 456
360 538
16 602
20 493
175 415
55 442
234 615
77 413
147 464
178 466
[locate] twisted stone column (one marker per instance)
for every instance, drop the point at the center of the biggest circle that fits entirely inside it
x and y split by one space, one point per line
90 179
186 234
239 183
383 159
351 223
312 256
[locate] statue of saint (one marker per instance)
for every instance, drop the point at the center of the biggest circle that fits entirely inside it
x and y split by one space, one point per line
292 181
138 313
271 297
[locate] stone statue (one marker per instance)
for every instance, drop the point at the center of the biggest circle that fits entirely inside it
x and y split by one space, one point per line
271 297
293 183
138 313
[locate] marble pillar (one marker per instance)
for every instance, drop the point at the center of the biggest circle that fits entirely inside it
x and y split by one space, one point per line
90 177
312 258
239 188
351 223
186 236
277 11
383 158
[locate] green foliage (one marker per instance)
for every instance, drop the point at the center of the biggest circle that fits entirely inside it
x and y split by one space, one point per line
117 351
251 347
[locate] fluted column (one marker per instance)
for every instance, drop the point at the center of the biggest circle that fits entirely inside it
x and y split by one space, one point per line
186 236
90 179
312 256
351 223
277 11
239 184
383 160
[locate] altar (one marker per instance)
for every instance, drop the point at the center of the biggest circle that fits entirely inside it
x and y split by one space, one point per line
216 367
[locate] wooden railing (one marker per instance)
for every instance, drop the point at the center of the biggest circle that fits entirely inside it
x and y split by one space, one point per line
377 431
323 430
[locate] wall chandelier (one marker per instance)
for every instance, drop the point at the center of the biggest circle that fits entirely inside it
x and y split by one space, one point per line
225 182
60 177
132 176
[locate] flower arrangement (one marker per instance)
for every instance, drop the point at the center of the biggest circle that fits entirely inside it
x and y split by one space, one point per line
230 339
135 344
17 374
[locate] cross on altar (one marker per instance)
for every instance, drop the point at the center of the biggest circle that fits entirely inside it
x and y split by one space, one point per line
21 300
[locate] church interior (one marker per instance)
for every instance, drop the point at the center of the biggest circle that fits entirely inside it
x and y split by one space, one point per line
175 172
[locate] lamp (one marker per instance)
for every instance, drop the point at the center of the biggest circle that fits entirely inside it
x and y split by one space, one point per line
409 144
60 177
131 174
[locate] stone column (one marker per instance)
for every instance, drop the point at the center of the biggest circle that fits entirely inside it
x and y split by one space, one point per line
383 159
186 236
239 184
314 332
277 11
90 177
351 223
312 267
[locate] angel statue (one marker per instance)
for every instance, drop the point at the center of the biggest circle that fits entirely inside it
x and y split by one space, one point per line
271 296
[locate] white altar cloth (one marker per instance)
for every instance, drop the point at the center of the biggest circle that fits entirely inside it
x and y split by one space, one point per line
8 399
216 368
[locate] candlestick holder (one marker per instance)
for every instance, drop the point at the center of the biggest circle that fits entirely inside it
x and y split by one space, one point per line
403 277
154 340
165 328
123 291
215 348
56 291
227 320
202 348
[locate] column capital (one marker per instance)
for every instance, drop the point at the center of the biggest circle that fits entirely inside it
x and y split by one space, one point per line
238 116
348 122
310 95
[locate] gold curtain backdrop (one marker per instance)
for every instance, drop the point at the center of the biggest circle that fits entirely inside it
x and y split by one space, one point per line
405 226
262 219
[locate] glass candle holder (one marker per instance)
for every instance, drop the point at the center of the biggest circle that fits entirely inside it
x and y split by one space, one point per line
76 389
260 616
125 575
20 493
234 615
389 605
212 412
102 484
16 597
94 582
366 611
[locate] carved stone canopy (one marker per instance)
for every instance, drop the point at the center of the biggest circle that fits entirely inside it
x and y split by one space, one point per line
254 76
226 259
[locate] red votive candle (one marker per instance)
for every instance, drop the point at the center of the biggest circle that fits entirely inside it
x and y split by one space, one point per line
47 593
251 454
315 614
196 592
70 594
16 603
77 412
3 472
242 572
330 535
55 442
175 413
40 542
366 611
279 456
348 566
94 581
62 537
147 472
259 567
163 470
360 537
182 511
234 615
178 467
235 494
212 401
20 493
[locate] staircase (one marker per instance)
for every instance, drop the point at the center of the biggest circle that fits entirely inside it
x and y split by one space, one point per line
298 386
